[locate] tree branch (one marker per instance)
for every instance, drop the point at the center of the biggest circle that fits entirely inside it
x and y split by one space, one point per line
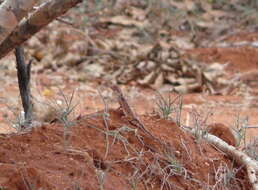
11 13
36 21
23 73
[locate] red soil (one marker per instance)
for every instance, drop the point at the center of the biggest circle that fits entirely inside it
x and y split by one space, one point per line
239 59
38 157
225 133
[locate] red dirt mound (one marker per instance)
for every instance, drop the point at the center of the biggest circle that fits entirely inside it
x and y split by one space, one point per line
225 133
106 151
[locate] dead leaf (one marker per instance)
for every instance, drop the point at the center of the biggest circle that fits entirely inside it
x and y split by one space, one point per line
148 79
158 82
136 13
125 21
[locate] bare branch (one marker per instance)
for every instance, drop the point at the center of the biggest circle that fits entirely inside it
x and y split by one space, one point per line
11 13
36 21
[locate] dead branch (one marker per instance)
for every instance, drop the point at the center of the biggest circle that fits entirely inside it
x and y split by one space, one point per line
11 13
35 22
243 159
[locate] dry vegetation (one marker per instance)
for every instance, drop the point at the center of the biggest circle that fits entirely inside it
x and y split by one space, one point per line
166 53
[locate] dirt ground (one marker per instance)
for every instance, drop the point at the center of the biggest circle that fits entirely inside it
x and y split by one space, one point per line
131 159
97 146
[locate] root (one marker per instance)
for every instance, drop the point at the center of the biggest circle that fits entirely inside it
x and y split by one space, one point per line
241 158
